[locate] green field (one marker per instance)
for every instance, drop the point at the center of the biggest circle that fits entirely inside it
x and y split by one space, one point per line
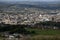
44 32
39 34
47 34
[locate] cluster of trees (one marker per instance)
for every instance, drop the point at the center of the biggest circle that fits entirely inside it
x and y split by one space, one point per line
23 28
49 23
15 29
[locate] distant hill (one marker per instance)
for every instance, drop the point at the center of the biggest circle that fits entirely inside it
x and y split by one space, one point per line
42 5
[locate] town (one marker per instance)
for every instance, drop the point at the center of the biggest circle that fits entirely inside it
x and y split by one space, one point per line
28 16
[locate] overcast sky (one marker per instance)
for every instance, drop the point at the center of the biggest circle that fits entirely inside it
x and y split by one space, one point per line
29 0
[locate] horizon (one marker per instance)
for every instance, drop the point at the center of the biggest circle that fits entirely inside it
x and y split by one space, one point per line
31 0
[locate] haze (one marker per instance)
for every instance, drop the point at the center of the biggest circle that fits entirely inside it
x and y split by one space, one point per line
31 0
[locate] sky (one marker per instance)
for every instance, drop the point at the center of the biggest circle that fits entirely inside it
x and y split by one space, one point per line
29 0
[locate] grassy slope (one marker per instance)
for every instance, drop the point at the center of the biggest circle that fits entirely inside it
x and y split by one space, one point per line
45 32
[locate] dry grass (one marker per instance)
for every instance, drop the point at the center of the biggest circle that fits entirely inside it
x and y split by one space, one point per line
41 37
44 37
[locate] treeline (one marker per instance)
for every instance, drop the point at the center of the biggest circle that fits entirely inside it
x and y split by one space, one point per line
49 23
23 28
15 29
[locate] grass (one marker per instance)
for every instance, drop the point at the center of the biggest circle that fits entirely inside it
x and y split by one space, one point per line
44 32
1 38
44 37
47 34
